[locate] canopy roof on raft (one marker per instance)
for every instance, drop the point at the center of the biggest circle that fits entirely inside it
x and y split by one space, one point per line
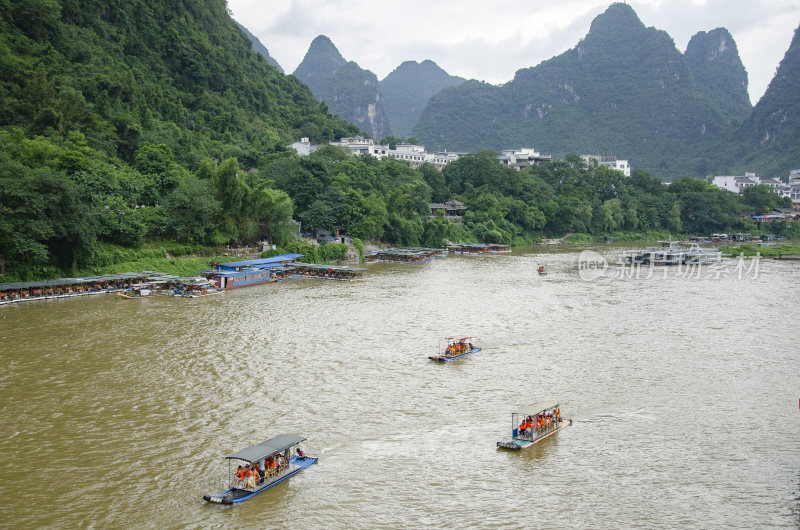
278 444
262 268
145 275
260 261
321 267
536 408
479 245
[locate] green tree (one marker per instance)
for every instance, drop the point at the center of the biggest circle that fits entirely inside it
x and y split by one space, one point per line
273 210
762 198
193 210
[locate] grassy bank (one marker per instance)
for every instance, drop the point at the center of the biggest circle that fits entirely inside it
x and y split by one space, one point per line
170 258
749 250
312 253
161 256
622 237
165 259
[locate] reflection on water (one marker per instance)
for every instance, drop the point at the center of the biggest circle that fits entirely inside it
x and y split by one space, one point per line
118 412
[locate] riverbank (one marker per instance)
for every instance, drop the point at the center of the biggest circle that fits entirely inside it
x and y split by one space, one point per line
187 260
180 260
750 250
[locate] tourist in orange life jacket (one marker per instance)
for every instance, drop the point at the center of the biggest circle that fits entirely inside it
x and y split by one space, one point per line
240 477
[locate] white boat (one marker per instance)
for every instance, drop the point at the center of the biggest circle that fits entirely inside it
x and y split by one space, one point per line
672 253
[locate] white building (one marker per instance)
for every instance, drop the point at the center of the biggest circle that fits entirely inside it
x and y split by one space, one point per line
358 145
734 183
303 147
781 188
415 155
609 161
794 188
522 157
739 184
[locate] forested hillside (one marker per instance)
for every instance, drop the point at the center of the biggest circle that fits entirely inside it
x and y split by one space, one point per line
134 121
407 89
719 73
152 123
260 48
349 91
769 139
624 89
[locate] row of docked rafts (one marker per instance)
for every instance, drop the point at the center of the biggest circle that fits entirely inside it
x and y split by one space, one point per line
673 253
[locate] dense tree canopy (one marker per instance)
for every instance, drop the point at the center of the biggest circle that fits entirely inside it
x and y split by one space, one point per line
150 120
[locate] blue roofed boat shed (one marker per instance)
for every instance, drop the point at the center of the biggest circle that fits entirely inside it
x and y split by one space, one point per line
260 263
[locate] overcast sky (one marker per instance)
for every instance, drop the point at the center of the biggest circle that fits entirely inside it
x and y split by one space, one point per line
489 40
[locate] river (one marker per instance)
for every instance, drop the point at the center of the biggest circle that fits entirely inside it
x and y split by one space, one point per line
683 391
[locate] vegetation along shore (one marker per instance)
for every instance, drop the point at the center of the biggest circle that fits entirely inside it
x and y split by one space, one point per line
123 153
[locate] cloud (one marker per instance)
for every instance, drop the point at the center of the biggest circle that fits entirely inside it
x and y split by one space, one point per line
490 41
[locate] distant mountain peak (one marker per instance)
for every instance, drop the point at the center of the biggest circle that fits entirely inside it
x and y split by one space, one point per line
349 91
616 18
323 44
624 88
321 60
407 90
715 45
426 66
718 71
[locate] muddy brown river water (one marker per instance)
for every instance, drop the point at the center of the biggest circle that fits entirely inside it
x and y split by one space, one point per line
683 390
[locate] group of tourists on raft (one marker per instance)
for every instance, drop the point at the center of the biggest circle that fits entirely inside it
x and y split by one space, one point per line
248 476
539 423
457 348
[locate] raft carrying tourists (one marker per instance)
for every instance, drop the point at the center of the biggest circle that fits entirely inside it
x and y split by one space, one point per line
533 424
262 469
457 346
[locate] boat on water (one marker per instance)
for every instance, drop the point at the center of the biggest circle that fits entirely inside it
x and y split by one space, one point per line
265 465
458 346
541 270
673 253
791 256
477 248
135 292
532 424
195 288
